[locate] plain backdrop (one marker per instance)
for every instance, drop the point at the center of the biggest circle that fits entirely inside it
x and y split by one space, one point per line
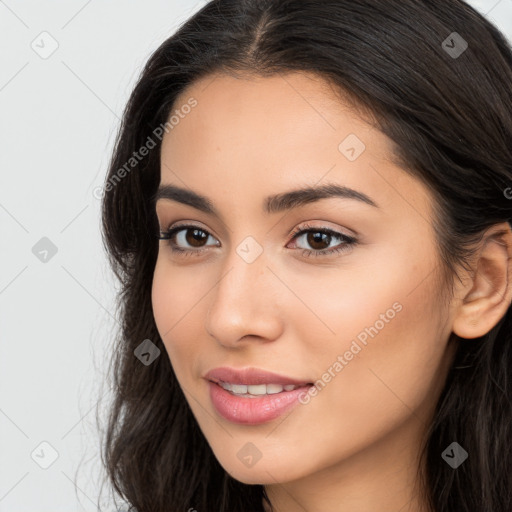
67 69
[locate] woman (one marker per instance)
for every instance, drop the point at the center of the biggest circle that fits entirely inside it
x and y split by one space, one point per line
309 210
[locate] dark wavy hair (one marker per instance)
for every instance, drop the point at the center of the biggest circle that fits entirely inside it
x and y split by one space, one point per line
450 118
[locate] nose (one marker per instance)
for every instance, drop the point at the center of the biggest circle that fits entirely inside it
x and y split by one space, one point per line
245 303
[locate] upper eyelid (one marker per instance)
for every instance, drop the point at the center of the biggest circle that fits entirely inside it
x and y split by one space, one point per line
309 227
187 225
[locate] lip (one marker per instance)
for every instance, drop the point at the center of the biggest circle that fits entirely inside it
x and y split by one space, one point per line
251 376
252 411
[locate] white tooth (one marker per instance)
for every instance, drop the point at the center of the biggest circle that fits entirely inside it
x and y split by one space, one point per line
274 388
226 385
258 389
239 389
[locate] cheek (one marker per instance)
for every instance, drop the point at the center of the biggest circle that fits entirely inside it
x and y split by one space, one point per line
176 303
375 295
175 293
376 328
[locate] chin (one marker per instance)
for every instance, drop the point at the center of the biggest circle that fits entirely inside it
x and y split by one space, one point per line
252 476
260 473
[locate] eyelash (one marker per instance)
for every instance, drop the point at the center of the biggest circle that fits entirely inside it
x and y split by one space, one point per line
348 241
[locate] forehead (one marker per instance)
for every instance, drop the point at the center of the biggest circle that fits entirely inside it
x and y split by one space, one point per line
282 111
256 133
293 97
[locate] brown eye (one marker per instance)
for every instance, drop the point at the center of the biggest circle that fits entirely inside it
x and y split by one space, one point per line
318 240
187 238
195 237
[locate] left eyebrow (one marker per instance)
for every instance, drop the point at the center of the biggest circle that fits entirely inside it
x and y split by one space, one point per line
302 196
272 204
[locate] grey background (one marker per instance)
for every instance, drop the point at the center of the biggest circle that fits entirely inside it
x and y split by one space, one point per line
59 117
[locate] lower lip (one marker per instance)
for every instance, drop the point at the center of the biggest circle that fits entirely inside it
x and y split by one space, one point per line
252 411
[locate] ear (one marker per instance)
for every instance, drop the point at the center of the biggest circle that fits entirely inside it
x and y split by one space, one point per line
487 297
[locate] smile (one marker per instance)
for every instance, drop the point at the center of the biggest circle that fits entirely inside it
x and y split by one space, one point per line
253 391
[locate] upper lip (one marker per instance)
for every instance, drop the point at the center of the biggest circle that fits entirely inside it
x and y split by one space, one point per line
250 376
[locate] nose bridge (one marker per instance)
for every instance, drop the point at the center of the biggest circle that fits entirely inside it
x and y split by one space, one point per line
242 302
244 265
242 272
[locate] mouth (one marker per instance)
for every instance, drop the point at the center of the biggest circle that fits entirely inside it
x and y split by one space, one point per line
253 404
257 390
253 382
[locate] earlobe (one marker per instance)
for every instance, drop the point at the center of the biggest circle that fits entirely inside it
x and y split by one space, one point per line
489 293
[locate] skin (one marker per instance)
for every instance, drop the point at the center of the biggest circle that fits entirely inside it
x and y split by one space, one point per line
355 445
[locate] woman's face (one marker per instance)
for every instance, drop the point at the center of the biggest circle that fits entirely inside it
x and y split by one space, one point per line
361 319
